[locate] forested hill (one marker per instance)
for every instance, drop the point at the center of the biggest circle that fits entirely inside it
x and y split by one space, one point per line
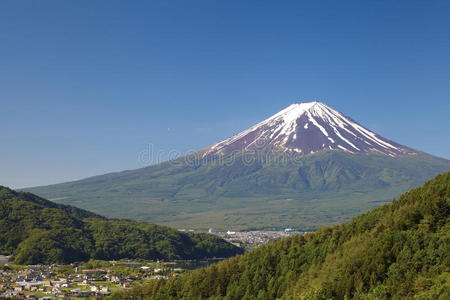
397 251
35 230
11 195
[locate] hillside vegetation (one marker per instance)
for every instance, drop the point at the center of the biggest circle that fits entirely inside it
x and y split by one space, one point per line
35 230
251 192
397 251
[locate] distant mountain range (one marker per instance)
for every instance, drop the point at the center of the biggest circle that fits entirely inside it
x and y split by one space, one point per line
306 166
37 231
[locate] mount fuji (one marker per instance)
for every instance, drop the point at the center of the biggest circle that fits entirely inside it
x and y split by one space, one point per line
308 128
306 166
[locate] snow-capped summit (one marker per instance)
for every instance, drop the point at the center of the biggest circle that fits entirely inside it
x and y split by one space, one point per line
308 128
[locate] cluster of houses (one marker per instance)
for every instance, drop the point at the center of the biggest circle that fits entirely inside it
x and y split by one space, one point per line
43 282
251 239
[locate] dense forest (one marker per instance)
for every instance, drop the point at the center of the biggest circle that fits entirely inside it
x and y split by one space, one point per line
397 251
35 230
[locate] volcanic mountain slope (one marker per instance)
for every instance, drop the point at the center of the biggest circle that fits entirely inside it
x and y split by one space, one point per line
304 167
397 251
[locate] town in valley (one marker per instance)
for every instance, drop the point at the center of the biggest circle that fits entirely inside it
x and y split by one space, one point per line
96 278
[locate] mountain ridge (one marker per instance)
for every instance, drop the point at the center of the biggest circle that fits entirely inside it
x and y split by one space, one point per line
37 231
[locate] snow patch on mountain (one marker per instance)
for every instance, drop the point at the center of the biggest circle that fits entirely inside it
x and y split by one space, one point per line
308 128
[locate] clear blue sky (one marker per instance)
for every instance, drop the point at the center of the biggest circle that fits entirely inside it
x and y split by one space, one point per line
85 86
